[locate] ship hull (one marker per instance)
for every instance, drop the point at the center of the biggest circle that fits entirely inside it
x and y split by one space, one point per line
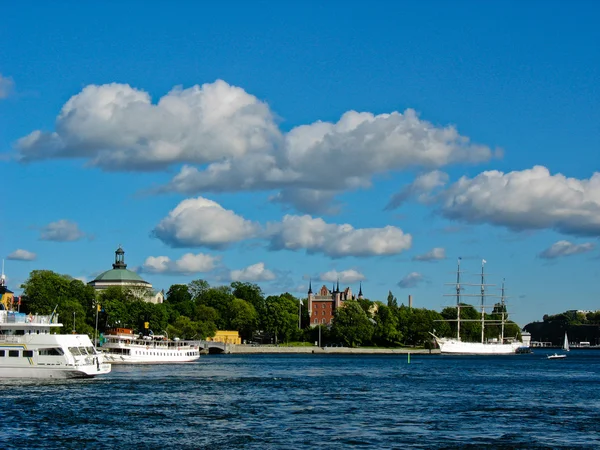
37 372
456 347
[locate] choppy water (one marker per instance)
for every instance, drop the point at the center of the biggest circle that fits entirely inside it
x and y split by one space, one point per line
315 401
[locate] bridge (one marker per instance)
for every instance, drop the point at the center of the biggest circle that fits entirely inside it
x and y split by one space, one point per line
214 347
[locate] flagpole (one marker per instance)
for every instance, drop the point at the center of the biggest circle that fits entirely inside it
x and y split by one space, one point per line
96 329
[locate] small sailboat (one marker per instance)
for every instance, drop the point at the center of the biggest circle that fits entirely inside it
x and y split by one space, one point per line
565 348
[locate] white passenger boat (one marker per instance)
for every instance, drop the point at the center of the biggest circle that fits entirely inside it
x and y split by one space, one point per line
122 346
29 350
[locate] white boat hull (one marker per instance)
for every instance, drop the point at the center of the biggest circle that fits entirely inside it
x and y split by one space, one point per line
456 347
37 372
141 359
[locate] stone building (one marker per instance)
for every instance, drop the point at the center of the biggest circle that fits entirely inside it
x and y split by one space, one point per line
120 276
322 306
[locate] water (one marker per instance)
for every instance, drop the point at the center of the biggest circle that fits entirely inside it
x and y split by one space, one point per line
314 401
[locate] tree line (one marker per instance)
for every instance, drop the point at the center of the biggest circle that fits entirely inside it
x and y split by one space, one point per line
197 310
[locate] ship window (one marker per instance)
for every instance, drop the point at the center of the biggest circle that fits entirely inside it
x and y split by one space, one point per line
20 332
75 351
2 353
27 353
13 353
51 351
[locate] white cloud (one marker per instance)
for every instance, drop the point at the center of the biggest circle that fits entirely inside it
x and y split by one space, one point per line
434 254
317 236
6 86
411 280
229 141
255 272
188 264
566 248
528 199
22 255
199 222
61 231
345 276
116 127
421 188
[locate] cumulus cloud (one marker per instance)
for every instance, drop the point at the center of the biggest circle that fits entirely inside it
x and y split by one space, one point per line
528 199
566 248
199 222
345 276
411 280
421 188
188 264
317 236
61 231
229 141
116 127
22 255
255 272
6 86
434 254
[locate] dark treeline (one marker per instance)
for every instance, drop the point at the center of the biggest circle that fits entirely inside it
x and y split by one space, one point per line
197 310
580 327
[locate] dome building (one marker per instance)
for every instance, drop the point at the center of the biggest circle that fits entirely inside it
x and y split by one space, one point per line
120 276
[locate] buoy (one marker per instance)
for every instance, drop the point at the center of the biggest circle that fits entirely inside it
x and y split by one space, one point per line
409 358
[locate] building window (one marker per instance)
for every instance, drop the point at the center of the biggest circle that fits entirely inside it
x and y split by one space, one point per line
323 320
316 320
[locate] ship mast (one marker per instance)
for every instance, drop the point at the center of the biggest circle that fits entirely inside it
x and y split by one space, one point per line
458 300
483 261
502 305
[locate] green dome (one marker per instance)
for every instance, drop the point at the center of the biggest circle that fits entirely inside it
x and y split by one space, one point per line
119 272
121 275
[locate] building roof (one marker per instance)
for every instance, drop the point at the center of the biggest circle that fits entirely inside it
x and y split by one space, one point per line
121 275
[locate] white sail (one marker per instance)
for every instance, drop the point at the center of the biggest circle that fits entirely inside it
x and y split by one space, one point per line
566 343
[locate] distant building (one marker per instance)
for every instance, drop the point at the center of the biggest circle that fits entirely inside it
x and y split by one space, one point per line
120 276
322 306
226 337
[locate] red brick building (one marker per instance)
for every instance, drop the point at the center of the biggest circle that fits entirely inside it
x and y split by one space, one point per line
322 305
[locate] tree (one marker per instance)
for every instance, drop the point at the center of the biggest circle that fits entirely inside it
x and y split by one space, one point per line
180 301
243 317
351 324
392 301
386 329
197 288
281 316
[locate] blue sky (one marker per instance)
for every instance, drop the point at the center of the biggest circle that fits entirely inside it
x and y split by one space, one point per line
275 142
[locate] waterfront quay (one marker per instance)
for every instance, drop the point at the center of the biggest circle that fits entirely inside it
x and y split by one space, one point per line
280 349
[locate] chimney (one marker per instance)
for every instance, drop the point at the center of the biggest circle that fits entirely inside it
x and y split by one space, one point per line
410 301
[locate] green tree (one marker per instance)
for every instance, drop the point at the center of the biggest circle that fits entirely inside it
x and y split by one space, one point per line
281 319
179 301
243 318
351 324
386 329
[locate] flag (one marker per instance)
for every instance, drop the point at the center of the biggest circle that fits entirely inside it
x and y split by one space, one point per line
483 261
99 307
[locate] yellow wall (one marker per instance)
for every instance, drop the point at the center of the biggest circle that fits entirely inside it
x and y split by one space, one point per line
7 300
226 337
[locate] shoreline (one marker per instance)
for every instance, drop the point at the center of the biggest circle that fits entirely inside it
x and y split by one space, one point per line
249 349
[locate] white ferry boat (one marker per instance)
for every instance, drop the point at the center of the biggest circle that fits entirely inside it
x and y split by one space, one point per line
29 350
122 346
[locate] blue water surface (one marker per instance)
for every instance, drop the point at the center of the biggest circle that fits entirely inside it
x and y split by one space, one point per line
315 401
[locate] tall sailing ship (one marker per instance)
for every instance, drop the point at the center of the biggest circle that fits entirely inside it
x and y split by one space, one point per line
498 346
